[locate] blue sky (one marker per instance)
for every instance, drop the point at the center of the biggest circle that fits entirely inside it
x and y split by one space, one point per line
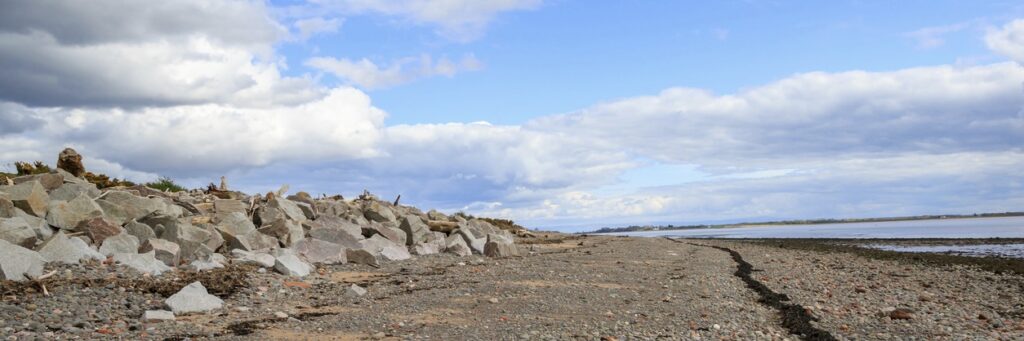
565 55
557 114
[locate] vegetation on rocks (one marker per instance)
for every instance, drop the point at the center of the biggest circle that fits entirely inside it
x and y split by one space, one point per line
165 184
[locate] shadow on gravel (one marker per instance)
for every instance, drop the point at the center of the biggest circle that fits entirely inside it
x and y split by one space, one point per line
794 316
221 282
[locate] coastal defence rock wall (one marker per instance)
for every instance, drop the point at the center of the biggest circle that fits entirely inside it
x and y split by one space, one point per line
60 217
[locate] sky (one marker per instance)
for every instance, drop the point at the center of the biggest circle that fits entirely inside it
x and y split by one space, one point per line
560 114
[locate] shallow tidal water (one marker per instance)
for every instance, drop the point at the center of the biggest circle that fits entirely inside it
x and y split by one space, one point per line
1003 227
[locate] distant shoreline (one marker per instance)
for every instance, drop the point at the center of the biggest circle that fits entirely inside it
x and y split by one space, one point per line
803 222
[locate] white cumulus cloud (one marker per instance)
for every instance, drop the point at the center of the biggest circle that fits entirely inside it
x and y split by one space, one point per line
368 75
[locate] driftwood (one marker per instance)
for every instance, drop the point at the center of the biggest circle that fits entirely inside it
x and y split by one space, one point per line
442 226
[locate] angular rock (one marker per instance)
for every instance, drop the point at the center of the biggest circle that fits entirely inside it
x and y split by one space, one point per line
228 206
435 215
246 257
98 229
70 191
17 231
336 236
18 263
157 316
319 251
6 206
63 249
234 223
166 251
415 230
474 243
141 231
355 291
250 241
193 298
307 210
189 238
291 265
70 161
386 249
136 207
434 243
457 245
67 215
121 243
388 232
375 211
499 246
43 230
50 181
289 208
363 256
29 196
204 265
72 179
144 262
288 232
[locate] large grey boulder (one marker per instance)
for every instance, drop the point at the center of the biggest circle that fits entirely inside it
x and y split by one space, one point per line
500 246
434 243
6 206
190 239
288 232
43 230
233 224
476 244
49 181
121 243
290 208
250 241
142 262
287 263
69 191
141 231
435 215
18 263
136 207
29 196
228 206
337 236
363 256
375 211
247 257
193 298
319 251
166 251
415 229
63 249
386 249
67 215
457 245
17 231
386 230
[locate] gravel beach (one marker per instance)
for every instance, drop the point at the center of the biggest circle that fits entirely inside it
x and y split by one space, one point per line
564 287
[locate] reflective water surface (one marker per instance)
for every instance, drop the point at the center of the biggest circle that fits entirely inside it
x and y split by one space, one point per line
1004 227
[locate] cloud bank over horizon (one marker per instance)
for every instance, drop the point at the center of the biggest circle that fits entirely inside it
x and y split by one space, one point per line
196 90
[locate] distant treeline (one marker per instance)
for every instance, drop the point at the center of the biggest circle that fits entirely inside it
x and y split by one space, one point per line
635 228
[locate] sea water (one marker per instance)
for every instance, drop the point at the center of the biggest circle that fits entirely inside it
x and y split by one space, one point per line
1002 227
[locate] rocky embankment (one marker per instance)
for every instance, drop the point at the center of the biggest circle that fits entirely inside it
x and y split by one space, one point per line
50 222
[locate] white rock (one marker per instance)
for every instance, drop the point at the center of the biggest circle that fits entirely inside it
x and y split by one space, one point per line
355 291
157 316
121 243
144 263
61 248
291 265
248 257
193 298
